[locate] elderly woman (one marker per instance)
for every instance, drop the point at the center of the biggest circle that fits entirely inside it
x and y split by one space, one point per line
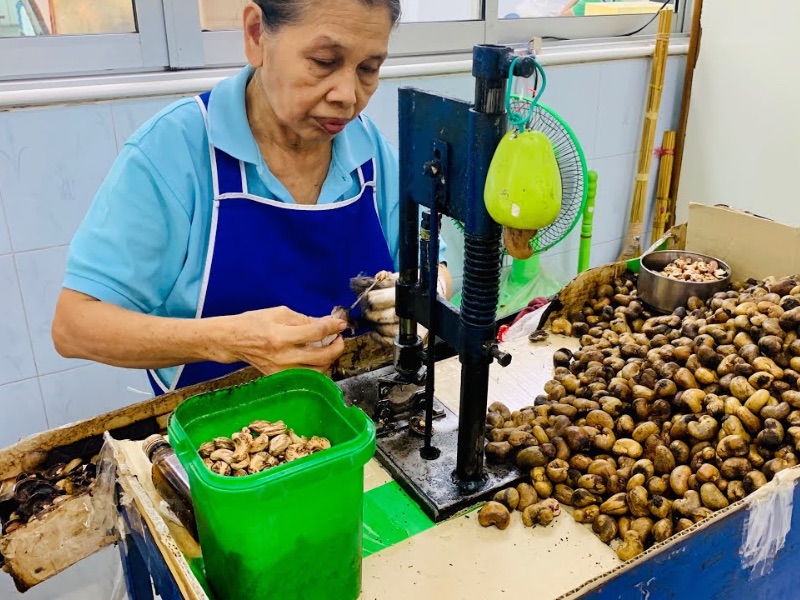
231 224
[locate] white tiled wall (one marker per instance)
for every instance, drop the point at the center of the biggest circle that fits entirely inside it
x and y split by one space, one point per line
52 161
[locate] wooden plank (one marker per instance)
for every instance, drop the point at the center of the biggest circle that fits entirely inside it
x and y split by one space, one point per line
515 385
686 98
85 438
172 539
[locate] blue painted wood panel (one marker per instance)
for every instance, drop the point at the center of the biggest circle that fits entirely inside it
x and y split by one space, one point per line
706 565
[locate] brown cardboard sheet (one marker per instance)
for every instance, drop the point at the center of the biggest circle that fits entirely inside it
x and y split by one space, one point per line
751 245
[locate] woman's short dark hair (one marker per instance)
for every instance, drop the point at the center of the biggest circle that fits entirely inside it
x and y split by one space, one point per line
277 13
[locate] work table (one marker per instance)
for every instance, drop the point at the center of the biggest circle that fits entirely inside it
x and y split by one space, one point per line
456 558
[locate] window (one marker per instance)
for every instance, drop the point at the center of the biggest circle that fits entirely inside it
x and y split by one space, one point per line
524 9
40 38
426 11
521 20
216 15
27 18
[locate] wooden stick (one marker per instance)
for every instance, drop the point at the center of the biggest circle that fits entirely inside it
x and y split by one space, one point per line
661 213
51 5
691 63
631 247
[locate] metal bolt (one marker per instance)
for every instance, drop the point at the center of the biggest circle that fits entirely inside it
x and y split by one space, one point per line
431 169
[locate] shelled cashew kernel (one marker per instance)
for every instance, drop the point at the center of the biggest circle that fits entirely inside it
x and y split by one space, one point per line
693 269
258 447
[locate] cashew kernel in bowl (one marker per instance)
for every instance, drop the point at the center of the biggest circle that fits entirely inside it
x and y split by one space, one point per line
694 270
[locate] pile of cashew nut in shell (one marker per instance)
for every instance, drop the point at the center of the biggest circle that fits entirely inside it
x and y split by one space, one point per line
657 421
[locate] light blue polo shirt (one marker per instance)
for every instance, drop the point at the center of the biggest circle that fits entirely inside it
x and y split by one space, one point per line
143 242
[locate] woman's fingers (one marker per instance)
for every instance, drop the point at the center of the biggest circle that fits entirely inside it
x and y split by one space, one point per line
313 331
279 338
318 356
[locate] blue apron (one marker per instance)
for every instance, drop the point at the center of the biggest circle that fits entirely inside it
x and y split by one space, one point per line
264 253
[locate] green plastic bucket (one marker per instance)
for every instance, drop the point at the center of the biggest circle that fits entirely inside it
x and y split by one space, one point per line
294 530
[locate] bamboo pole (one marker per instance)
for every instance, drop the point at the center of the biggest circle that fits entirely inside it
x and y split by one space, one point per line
691 62
661 215
631 247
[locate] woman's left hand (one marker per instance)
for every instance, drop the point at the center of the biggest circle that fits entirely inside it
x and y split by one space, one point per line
379 303
276 339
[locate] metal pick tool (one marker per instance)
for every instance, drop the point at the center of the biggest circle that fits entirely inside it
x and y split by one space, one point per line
378 278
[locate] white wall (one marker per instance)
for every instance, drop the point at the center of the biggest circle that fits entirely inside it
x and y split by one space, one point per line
52 161
744 124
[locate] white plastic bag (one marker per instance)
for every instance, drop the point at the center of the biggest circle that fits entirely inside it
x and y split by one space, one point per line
525 326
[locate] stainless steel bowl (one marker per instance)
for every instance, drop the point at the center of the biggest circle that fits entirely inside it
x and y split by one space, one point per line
665 294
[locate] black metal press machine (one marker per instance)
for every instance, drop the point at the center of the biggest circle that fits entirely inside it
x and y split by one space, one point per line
446 147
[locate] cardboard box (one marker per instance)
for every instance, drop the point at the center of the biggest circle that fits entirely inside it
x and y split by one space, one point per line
752 245
748 549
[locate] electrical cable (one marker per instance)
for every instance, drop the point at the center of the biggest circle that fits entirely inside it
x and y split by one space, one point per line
630 33
517 120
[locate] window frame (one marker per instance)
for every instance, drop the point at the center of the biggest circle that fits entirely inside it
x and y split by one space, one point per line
170 38
60 55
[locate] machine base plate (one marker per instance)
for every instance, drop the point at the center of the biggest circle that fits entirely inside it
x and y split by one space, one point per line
432 483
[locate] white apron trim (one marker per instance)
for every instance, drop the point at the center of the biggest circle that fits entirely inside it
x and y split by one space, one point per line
244 178
158 381
211 240
210 147
288 206
361 175
295 206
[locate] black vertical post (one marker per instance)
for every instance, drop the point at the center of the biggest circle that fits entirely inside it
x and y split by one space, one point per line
407 359
482 259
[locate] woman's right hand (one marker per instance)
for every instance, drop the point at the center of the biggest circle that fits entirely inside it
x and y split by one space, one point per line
275 339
